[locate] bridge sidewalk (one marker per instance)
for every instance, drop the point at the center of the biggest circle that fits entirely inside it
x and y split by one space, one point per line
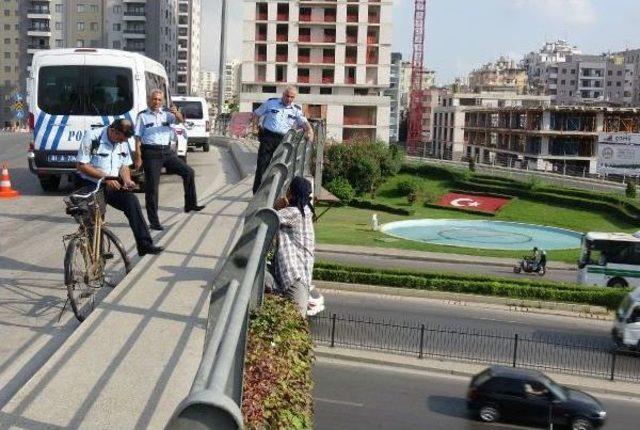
134 359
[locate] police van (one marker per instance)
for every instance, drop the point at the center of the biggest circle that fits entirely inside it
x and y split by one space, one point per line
70 91
196 119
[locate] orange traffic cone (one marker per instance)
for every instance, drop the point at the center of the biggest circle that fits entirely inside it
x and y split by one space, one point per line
6 192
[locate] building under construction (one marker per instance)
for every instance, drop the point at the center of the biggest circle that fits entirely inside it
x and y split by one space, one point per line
561 139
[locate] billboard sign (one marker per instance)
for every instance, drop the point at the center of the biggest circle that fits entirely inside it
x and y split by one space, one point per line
619 154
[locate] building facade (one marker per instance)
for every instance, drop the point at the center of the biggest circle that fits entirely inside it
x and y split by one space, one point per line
207 85
337 52
188 67
502 75
448 139
232 82
551 54
12 63
559 139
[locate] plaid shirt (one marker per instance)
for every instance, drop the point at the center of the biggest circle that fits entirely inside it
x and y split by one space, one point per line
296 245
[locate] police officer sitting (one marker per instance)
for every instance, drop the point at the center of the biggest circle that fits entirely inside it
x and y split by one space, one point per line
103 153
279 115
153 138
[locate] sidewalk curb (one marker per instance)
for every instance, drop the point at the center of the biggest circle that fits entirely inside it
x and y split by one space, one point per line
322 351
562 309
469 260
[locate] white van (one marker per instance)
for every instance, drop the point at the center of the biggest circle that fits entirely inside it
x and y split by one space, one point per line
196 118
626 328
70 91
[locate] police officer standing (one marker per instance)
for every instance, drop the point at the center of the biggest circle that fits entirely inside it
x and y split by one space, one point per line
279 115
153 138
104 153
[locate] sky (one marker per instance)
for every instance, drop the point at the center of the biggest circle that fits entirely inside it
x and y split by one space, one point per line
464 34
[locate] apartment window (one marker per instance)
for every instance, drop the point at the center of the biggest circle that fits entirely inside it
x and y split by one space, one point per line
80 8
116 44
562 82
94 26
80 26
609 72
608 83
269 89
116 27
619 73
304 90
564 71
7 55
326 90
7 12
80 43
117 9
7 41
58 43
572 82
573 71
7 27
618 84
58 25
94 8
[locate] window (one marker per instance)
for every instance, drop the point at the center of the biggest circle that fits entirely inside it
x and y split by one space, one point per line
190 110
7 41
58 43
80 25
58 25
7 27
619 73
505 386
116 44
80 43
326 90
7 69
116 27
117 9
609 72
94 8
80 8
7 55
562 82
7 12
85 90
94 26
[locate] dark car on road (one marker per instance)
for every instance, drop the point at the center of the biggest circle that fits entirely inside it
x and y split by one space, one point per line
529 397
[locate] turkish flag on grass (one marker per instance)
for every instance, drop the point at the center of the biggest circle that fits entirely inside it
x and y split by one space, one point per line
472 203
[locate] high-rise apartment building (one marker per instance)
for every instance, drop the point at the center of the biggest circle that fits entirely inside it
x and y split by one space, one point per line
188 71
337 52
232 81
208 80
406 69
11 65
393 92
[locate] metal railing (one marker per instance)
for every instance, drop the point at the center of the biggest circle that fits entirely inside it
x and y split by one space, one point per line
586 357
215 398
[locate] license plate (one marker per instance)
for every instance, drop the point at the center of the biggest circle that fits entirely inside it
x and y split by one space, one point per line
61 158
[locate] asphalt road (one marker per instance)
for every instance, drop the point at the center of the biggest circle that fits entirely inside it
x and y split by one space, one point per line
389 262
354 396
473 332
32 292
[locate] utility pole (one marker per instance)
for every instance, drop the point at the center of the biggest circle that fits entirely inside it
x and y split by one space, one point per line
223 54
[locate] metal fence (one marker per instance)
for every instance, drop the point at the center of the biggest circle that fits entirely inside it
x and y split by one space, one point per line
557 355
214 401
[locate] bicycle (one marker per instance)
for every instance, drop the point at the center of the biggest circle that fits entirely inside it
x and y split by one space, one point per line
94 256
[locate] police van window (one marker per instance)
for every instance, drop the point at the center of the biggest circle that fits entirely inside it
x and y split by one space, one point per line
59 90
156 82
85 90
190 110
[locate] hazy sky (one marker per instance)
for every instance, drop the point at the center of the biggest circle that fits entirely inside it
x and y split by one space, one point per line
464 34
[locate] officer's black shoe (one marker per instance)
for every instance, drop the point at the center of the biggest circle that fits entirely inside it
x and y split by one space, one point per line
154 250
196 208
158 227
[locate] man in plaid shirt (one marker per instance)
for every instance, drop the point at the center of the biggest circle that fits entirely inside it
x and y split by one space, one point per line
296 242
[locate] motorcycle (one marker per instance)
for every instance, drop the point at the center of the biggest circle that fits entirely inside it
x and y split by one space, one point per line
528 265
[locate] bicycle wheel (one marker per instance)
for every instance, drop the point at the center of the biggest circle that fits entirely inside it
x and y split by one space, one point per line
115 259
77 278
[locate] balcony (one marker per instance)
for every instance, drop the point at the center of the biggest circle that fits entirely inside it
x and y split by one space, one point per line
261 37
374 19
327 80
134 33
32 48
330 17
329 59
40 31
303 79
39 13
351 60
329 38
352 39
371 59
305 17
282 58
304 59
351 80
134 15
283 16
282 37
261 57
352 17
262 16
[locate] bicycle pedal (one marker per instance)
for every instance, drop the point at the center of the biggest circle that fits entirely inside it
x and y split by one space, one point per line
108 255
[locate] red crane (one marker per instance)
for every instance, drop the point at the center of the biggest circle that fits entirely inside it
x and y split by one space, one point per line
414 133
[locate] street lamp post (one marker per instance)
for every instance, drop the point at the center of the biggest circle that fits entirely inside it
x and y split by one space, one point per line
223 54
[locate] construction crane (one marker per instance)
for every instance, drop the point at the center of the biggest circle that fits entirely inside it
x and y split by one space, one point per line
414 133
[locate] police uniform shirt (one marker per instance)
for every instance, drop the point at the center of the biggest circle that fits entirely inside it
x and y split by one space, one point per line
109 157
154 128
279 118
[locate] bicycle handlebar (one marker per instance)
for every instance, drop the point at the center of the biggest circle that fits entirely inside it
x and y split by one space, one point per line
98 184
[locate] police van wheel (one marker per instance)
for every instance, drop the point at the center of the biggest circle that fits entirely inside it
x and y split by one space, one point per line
50 183
617 283
205 147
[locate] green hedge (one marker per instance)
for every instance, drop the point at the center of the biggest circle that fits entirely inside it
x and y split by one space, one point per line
278 384
377 206
609 298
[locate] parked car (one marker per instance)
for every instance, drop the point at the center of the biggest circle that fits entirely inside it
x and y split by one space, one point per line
508 394
196 119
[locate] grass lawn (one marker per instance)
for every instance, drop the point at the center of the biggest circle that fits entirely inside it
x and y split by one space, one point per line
351 226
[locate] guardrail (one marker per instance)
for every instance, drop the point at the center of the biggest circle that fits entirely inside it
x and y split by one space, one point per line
215 398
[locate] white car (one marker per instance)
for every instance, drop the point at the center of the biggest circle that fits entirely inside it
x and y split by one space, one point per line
196 119
179 141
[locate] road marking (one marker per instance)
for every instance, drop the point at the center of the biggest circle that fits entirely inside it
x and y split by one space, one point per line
338 402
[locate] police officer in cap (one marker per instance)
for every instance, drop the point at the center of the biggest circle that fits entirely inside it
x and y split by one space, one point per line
103 153
153 138
278 115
